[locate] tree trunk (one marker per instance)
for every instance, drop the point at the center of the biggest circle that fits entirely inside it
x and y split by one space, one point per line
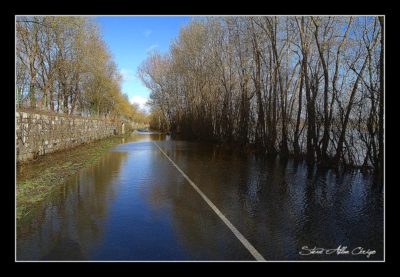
260 128
325 137
381 99
296 146
341 140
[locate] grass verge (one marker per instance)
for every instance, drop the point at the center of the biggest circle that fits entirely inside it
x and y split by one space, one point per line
38 179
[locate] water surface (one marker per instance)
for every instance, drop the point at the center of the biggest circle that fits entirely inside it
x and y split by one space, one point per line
134 205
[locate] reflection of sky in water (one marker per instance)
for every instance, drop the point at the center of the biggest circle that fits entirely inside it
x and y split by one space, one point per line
134 205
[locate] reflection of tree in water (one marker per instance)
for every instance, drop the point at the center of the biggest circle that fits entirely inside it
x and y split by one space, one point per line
340 209
279 206
199 230
73 218
197 227
240 187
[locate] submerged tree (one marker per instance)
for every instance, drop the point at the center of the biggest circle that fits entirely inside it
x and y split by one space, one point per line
296 86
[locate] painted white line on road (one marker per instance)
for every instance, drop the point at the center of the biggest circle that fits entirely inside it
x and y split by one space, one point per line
235 231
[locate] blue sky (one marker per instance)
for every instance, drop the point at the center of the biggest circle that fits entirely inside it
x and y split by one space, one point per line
129 38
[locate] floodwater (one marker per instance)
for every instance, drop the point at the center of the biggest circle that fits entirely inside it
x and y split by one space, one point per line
134 205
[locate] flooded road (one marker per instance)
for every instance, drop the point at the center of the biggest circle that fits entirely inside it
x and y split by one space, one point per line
133 204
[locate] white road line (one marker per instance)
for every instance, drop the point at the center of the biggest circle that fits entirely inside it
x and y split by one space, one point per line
235 231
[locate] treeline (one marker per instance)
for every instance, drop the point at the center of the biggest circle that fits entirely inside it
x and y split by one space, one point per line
64 66
300 86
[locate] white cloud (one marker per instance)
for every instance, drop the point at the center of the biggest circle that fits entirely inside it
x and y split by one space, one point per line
141 102
127 74
152 48
147 32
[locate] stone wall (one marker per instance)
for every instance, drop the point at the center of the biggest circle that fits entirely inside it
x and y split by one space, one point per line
38 134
